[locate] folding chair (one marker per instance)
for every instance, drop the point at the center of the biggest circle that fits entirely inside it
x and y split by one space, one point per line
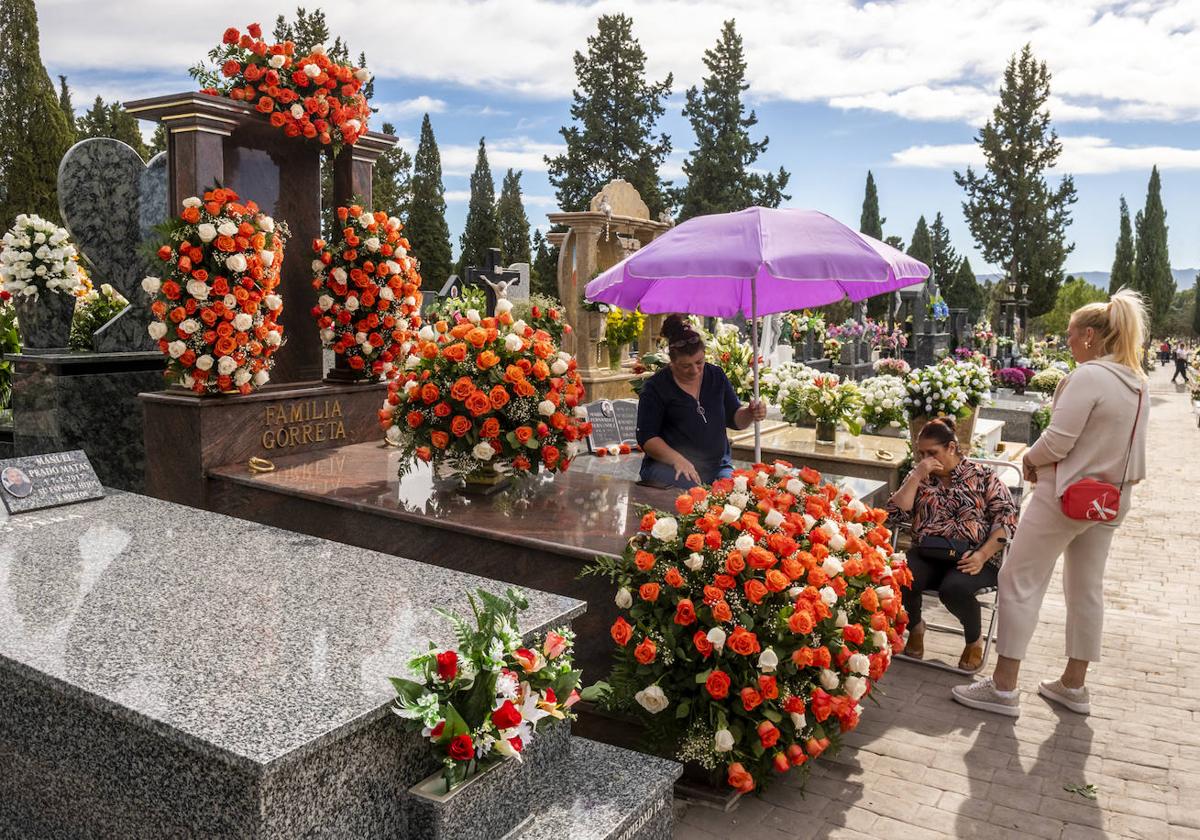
989 593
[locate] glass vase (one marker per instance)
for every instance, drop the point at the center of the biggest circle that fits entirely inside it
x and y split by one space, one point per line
615 352
826 432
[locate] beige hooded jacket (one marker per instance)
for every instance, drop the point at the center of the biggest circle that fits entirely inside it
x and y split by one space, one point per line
1091 421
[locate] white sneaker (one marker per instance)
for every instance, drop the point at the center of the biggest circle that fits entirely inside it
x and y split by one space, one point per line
1075 699
984 696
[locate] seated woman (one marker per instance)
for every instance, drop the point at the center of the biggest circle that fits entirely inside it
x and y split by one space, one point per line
948 497
683 413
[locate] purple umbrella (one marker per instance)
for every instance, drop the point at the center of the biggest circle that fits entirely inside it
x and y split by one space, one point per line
757 261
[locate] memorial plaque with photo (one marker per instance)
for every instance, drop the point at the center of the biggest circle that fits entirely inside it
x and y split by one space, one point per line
42 481
605 431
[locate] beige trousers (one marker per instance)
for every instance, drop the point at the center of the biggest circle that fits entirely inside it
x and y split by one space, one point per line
1043 535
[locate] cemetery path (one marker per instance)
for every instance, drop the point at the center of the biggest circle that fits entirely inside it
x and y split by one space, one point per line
921 766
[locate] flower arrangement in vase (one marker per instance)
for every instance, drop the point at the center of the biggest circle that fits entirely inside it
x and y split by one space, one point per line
777 381
827 401
369 293
756 616
950 388
216 308
726 349
621 328
484 700
833 350
883 402
891 367
938 310
482 392
1046 381
803 324
311 96
40 272
1011 378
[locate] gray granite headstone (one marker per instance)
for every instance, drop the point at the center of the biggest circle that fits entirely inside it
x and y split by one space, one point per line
41 481
519 291
110 201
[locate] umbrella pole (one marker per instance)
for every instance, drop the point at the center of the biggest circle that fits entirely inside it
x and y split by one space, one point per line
754 361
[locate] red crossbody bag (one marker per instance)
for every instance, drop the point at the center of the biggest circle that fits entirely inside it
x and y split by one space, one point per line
1093 500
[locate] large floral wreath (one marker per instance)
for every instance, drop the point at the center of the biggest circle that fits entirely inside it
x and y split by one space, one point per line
486 391
307 96
369 291
216 309
757 615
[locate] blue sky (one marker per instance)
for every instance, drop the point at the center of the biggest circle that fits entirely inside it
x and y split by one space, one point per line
840 87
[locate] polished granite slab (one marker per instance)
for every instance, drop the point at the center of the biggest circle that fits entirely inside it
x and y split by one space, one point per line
857 455
166 671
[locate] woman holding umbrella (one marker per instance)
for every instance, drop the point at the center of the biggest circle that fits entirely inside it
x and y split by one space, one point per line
683 413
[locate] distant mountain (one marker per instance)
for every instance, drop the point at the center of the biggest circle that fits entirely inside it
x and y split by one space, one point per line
1185 278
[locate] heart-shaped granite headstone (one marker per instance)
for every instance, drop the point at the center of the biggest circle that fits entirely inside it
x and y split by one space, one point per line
111 201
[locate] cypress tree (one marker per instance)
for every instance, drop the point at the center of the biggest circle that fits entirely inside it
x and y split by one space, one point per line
544 271
945 262
1123 267
921 247
427 231
64 102
111 120
718 170
614 112
34 133
1152 261
480 231
158 143
391 187
871 223
1017 219
511 222
964 290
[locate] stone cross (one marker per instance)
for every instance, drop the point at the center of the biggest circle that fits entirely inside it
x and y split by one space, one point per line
493 279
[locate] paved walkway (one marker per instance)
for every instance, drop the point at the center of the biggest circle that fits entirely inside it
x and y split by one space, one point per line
921 766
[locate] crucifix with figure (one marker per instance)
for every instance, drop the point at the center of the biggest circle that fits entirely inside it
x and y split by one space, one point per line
493 279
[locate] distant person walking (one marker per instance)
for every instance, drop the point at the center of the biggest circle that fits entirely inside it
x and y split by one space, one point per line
1097 430
1181 362
1164 353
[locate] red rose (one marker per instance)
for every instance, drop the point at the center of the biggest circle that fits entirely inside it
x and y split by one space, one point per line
750 699
780 762
621 632
507 716
717 684
853 633
447 665
461 748
685 613
767 687
703 645
821 704
768 734
231 36
646 651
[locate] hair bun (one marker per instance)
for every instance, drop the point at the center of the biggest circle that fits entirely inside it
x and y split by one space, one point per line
676 328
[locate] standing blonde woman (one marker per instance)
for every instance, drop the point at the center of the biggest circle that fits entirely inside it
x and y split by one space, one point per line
1097 430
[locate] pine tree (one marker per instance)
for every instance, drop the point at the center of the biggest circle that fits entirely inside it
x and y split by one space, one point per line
615 111
34 133
1123 267
111 120
1152 261
544 271
64 102
964 291
895 241
427 231
158 143
511 222
871 223
1016 218
719 170
391 186
480 231
945 262
921 247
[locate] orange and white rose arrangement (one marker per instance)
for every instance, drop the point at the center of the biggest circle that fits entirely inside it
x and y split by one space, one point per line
756 617
369 292
216 308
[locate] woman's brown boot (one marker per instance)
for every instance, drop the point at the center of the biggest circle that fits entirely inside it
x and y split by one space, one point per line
916 641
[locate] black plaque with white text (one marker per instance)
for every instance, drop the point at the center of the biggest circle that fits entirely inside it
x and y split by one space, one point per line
42 481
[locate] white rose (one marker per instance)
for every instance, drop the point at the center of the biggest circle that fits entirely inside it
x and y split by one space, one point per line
856 687
730 514
426 333
410 386
231 301
277 61
192 202
151 285
716 637
695 562
760 479
273 302
723 740
274 338
799 721
197 289
227 228
885 593
613 450
624 598
829 679
267 257
559 367
236 263
187 380
386 293
363 75
157 329
312 71
189 326
297 111
473 316
351 303
830 527
242 322
519 327
773 519
794 592
545 408
744 543
855 528
176 349
483 451
860 664
267 224
393 434
665 529
768 661
840 620
880 640
261 378
206 232
739 483
837 543
204 362
832 566
652 699
739 500
503 306
372 243
241 377
513 343
338 274
324 302
795 486
828 595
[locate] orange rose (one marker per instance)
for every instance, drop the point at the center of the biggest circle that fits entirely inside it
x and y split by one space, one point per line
685 613
478 403
490 430
743 642
777 581
756 590
648 591
644 560
717 684
684 505
439 439
523 434
673 578
694 542
621 632
734 564
646 651
721 611
751 699
477 338
801 622
429 393
739 778
460 425
462 388
455 352
487 359
498 397
414 419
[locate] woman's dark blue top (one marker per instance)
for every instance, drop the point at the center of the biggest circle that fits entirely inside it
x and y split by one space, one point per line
667 411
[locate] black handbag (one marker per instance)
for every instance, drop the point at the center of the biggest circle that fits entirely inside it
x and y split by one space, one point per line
945 549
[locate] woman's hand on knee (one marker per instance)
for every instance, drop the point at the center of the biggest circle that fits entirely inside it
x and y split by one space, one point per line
971 563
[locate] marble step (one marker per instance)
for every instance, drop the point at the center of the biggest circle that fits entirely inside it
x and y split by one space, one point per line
604 793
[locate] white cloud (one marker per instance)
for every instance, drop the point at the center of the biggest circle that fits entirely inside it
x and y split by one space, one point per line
409 107
1083 155
503 153
464 196
922 59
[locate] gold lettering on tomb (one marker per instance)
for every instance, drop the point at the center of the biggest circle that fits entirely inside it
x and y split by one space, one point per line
302 422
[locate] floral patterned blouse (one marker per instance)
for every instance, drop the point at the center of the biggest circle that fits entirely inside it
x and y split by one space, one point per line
974 504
